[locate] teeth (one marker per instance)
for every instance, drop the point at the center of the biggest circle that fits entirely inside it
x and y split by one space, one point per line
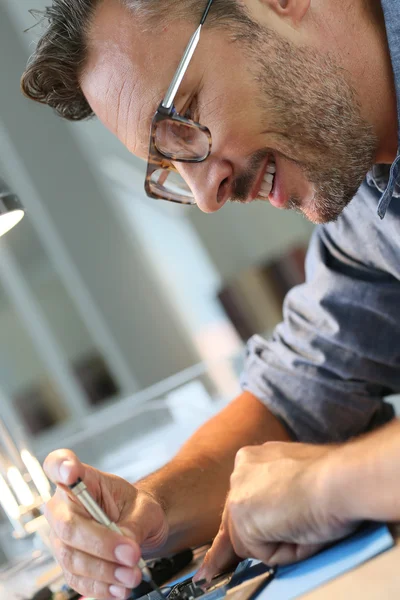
268 181
268 177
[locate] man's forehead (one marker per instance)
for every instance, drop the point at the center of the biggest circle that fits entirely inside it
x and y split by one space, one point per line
127 72
121 100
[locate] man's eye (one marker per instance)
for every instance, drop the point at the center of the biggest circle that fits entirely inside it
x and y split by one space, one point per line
184 133
191 110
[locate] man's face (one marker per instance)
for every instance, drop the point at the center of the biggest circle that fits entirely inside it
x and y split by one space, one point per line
270 104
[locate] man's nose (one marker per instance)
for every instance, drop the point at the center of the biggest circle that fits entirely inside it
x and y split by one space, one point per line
210 181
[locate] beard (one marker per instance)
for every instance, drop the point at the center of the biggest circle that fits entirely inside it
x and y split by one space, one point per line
308 98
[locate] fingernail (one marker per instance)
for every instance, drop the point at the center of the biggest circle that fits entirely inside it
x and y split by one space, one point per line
64 470
125 555
117 592
125 576
200 574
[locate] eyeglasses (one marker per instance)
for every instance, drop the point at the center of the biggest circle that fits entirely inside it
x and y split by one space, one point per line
174 137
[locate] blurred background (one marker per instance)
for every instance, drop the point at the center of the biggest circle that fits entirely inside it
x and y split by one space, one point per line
122 319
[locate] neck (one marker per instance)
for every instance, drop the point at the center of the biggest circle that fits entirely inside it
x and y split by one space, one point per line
376 82
364 53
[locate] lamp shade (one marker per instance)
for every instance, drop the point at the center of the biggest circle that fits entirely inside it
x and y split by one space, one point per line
11 209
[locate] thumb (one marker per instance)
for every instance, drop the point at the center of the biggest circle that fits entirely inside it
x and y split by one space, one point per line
63 467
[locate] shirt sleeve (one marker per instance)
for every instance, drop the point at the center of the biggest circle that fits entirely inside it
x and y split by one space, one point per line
326 369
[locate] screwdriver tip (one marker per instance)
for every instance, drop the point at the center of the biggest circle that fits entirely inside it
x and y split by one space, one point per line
156 589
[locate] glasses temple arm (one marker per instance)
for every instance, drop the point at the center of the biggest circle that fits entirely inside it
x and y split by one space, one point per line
183 65
181 70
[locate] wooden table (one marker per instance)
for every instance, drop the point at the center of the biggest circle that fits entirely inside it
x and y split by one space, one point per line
379 578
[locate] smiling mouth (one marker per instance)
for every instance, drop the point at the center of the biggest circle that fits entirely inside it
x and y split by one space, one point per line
264 186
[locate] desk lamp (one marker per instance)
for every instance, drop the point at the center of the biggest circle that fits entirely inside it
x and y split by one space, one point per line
11 210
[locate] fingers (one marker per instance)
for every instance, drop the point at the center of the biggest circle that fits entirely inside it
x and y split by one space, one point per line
95 578
82 533
285 553
84 565
96 562
95 589
63 467
108 569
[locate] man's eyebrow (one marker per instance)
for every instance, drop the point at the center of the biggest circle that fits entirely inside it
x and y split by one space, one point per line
144 121
148 118
147 122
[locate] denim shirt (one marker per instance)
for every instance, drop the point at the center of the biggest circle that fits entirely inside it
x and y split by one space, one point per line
329 365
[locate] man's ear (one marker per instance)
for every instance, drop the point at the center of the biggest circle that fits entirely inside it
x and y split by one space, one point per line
291 10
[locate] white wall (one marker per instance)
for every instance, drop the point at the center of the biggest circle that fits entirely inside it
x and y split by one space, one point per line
112 265
20 364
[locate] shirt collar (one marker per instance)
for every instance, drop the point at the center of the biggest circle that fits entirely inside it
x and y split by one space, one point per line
388 182
387 178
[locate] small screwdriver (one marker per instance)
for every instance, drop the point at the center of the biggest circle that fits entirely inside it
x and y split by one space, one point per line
80 490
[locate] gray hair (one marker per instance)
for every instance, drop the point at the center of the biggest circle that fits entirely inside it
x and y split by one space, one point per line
52 74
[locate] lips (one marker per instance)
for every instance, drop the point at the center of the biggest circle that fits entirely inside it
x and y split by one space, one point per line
264 182
276 196
280 195
289 183
267 183
271 187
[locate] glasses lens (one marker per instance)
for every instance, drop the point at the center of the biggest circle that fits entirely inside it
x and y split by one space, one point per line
169 185
181 141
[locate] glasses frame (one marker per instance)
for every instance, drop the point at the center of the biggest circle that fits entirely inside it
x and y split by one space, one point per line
157 160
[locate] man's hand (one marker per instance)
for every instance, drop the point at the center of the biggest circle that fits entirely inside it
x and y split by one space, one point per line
98 562
277 509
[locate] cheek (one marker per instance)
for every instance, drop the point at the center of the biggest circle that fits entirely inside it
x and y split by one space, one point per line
233 115
237 141
232 127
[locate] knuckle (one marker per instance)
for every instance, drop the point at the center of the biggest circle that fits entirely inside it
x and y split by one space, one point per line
236 506
65 527
97 547
98 590
242 456
72 581
65 558
274 449
103 571
53 539
54 543
78 584
49 507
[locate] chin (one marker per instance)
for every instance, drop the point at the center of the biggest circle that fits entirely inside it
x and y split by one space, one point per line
319 217
314 211
314 217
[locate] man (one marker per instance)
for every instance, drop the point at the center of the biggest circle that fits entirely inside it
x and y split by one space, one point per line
297 101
